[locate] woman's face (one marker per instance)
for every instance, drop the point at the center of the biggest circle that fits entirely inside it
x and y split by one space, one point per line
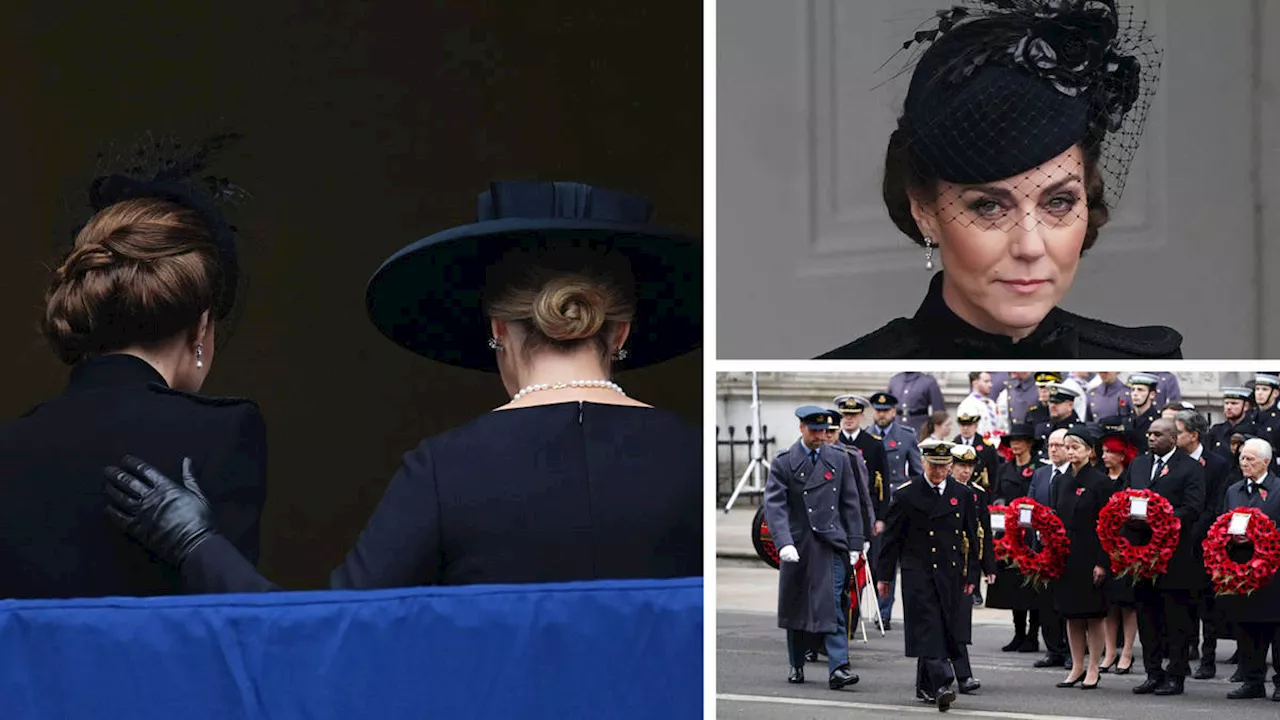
1077 451
1020 446
1113 460
1011 247
961 472
944 428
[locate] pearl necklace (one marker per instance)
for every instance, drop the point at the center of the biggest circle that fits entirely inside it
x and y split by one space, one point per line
571 384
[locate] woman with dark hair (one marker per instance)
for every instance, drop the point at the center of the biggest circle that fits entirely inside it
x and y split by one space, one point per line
936 426
1119 448
1009 592
557 286
1079 595
1016 135
135 308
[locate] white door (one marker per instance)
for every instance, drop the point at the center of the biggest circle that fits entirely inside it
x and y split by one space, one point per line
807 258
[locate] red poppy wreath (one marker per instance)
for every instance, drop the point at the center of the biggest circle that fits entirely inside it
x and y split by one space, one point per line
1242 578
1037 567
1001 550
1140 562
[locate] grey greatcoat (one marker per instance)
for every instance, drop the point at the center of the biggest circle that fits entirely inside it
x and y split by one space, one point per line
816 509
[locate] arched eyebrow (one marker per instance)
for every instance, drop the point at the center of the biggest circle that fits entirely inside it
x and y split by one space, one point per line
1005 193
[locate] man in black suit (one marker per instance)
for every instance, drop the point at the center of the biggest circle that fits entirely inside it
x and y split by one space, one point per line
1191 428
1043 489
1164 611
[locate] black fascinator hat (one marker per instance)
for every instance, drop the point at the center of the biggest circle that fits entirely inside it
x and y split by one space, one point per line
166 169
429 296
1004 86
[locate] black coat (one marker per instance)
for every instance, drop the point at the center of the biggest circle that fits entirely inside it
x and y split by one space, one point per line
980 554
866 501
925 536
1079 500
816 509
574 491
55 541
936 333
1183 485
1263 605
877 476
1009 592
1219 440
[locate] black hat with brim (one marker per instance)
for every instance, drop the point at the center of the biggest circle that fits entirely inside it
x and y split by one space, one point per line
429 296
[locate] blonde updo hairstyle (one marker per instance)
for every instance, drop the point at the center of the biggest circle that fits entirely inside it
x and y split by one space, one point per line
564 299
140 272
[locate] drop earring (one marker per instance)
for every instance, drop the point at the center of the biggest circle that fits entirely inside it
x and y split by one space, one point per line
494 344
929 245
199 356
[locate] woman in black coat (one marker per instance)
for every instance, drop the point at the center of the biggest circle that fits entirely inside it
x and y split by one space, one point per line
1009 592
1006 165
1078 595
134 308
1119 448
585 482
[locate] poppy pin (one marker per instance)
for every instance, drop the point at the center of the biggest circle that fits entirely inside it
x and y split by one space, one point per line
828 475
893 443
1026 471
954 501
1165 471
1079 491
1263 493
1202 461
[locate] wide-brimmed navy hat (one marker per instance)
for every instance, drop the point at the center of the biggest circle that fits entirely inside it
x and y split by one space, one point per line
429 296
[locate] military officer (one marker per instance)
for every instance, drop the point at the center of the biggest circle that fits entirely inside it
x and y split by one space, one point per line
1235 406
919 396
988 461
852 408
1062 414
964 464
1016 398
902 462
1107 397
811 505
929 522
1143 408
1038 411
1266 416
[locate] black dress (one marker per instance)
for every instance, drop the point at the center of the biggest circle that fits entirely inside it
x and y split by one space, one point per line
1009 591
936 333
55 541
574 491
1120 590
1079 499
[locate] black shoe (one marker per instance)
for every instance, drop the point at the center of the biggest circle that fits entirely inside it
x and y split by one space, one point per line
945 696
1236 677
968 686
842 677
1029 644
1172 685
1248 691
1149 685
811 656
1206 671
1049 661
977 600
796 676
1087 686
1123 670
1070 683
1014 644
887 625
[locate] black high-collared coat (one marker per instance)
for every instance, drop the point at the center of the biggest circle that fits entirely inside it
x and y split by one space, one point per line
55 541
925 536
936 333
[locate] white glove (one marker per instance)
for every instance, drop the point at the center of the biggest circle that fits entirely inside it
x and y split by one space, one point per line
789 554
853 557
866 547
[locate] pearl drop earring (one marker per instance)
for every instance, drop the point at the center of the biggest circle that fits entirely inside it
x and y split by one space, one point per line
929 245
199 356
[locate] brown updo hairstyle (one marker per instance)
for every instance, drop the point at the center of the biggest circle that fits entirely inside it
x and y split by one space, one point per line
563 299
904 178
140 272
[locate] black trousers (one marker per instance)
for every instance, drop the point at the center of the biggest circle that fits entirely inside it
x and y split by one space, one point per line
1254 639
1052 627
1165 627
934 673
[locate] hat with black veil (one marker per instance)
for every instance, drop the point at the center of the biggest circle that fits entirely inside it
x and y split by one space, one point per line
1007 90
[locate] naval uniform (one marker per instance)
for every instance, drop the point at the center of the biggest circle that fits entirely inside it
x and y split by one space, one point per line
902 462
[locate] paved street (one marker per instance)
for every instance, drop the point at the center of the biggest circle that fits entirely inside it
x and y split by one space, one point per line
751 667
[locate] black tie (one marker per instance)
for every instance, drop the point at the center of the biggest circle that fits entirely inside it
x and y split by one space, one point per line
1156 471
1053 486
813 457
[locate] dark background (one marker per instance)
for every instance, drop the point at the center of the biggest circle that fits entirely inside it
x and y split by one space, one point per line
366 126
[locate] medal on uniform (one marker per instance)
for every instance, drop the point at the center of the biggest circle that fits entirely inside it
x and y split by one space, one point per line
1239 523
1138 508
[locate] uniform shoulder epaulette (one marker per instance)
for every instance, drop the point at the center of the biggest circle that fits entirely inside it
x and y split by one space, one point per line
897 340
215 400
782 452
903 485
1147 341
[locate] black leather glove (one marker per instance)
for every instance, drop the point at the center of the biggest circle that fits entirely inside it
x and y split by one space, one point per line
168 518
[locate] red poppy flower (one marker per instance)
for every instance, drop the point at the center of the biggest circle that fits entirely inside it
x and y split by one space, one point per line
1141 562
1263 493
954 501
1079 491
1202 460
1039 567
1165 471
893 443
828 475
1027 471
1233 578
